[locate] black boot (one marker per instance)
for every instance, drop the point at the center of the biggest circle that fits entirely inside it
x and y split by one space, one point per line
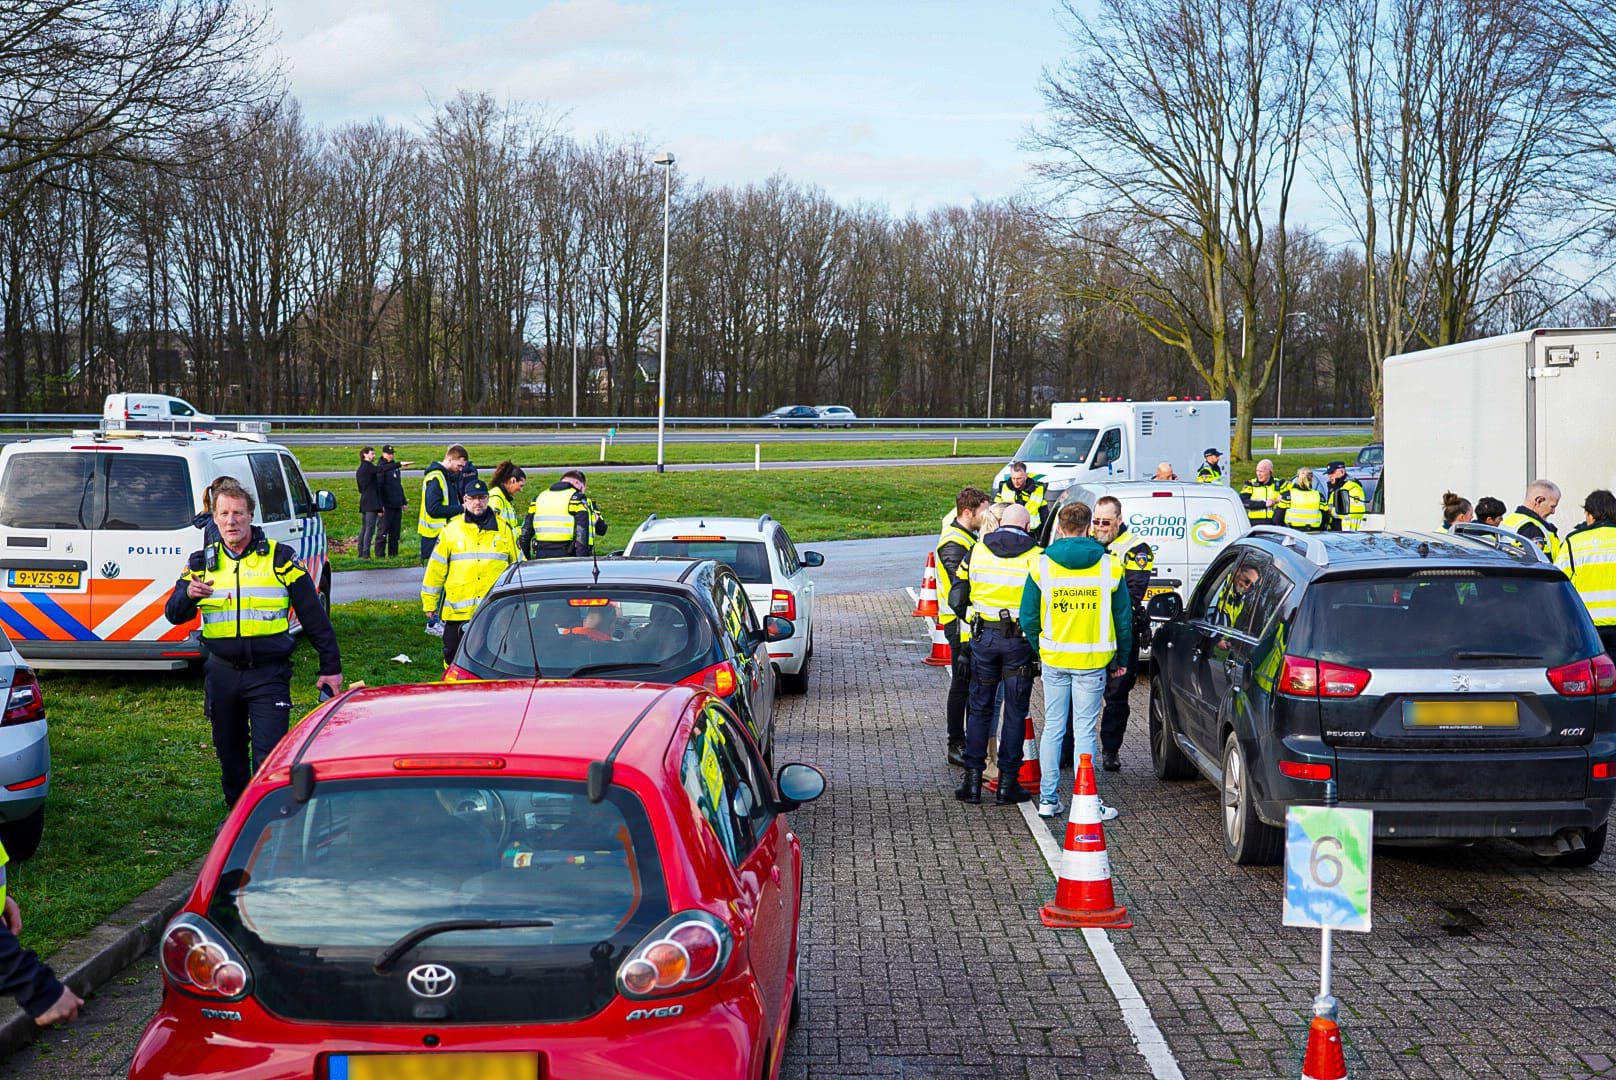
1010 790
956 753
1109 761
970 789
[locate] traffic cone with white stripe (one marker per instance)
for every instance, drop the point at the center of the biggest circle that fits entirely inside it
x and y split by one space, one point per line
1324 1059
1083 895
1030 775
941 654
926 602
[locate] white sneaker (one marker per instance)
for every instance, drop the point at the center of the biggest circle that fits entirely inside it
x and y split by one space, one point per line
1050 809
1109 813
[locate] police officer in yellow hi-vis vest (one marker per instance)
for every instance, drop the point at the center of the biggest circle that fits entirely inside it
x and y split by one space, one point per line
23 975
473 551
1211 470
1348 504
1029 491
562 522
1138 567
1302 506
1077 608
246 587
990 585
1261 494
953 548
1531 518
440 495
1588 556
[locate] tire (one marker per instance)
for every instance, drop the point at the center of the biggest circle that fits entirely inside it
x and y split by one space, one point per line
1169 762
1593 847
796 1005
325 593
22 836
798 683
1247 840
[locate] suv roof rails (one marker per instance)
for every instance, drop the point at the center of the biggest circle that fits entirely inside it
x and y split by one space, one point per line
1310 546
763 521
1519 545
647 522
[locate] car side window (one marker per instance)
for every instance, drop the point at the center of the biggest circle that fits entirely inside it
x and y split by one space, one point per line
1265 597
1110 448
302 501
273 503
1212 589
179 408
716 774
787 552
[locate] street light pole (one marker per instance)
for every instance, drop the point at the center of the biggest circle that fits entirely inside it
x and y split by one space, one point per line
664 159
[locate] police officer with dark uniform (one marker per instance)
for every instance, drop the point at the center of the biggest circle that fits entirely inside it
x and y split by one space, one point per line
1211 471
245 586
1138 567
953 548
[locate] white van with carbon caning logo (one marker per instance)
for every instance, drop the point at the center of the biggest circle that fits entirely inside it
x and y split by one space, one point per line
96 528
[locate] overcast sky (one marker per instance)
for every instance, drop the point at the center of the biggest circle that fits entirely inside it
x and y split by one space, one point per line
915 104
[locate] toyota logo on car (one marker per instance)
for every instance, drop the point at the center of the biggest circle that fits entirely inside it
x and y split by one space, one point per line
431 981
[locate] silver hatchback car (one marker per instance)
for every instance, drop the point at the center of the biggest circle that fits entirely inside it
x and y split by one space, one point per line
24 756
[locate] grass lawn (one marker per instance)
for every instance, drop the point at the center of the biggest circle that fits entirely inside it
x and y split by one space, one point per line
135 785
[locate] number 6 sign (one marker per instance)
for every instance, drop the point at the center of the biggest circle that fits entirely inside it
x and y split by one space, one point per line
1327 862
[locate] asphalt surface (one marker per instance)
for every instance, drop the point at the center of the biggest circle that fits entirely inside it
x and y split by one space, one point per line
850 566
923 956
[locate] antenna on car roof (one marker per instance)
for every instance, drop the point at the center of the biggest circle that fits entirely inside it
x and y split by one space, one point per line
594 557
600 772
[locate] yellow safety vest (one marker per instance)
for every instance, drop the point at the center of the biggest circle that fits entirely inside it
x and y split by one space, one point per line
1304 508
250 598
464 565
503 507
1035 496
552 515
1588 557
1349 504
1075 628
1515 520
4 858
1209 474
996 583
1134 553
952 534
1262 493
425 523
583 502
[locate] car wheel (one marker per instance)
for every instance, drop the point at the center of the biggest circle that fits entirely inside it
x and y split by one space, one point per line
1593 847
796 1003
796 683
325 593
1247 840
21 837
1168 760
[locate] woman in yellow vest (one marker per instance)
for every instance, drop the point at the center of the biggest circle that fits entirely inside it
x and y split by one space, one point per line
508 481
1588 557
1301 506
473 550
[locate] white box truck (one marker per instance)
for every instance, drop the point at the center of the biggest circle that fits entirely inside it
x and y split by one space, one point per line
1486 417
1086 442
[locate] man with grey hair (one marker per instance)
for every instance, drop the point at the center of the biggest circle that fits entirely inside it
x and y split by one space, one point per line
1531 518
1164 471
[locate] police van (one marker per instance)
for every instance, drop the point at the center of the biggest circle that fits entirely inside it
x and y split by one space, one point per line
1185 524
95 530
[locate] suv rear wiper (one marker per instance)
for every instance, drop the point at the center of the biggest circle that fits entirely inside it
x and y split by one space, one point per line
1495 656
596 669
391 954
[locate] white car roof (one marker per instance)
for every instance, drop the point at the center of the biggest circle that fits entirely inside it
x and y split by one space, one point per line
729 528
200 445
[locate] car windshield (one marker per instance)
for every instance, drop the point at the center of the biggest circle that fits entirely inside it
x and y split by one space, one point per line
611 632
748 558
1447 619
312 894
1057 446
1371 455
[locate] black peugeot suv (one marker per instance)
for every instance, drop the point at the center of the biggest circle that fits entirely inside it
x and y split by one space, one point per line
1453 684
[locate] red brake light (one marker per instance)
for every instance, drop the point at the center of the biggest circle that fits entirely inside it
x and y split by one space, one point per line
200 959
456 673
26 703
1596 675
783 603
446 761
720 679
1604 771
1302 770
688 951
588 601
1301 677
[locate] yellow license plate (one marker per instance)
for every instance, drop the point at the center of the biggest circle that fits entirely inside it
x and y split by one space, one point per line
44 579
1460 714
446 1066
1157 590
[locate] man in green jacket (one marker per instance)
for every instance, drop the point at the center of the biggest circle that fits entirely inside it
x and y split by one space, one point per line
1076 611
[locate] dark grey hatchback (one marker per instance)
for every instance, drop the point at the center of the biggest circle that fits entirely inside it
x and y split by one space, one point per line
1453 684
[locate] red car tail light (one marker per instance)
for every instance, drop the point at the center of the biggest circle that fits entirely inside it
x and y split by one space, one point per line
720 679
1604 770
1596 675
783 603
687 952
1304 770
456 673
26 703
1301 677
197 958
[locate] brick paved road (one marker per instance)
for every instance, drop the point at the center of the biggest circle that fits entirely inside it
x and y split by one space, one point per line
923 957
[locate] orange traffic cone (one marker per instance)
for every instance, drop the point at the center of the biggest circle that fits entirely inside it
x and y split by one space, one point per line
1083 895
1030 775
1324 1059
926 602
941 654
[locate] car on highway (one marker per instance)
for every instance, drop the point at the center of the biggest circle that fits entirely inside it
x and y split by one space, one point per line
25 759
686 621
762 555
837 414
1453 684
792 416
505 879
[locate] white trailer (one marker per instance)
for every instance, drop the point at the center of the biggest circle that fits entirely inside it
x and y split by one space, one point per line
1103 442
1486 417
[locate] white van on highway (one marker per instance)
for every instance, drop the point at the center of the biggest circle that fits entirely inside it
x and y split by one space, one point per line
1185 524
96 528
118 409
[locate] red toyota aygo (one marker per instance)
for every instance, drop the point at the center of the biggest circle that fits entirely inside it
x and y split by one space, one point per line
493 881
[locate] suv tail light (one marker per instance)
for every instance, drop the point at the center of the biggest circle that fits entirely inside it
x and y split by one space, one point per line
687 952
783 603
720 679
1596 675
26 703
198 958
1301 677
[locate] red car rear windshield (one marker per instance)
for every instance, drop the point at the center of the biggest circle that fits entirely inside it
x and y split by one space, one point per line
313 894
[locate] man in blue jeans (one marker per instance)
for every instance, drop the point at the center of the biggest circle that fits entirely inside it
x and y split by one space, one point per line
1077 610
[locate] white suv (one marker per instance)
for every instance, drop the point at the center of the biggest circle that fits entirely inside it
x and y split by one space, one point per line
768 564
